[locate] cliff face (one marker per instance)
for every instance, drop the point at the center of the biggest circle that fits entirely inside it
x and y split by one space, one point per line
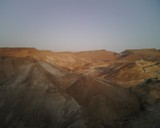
44 89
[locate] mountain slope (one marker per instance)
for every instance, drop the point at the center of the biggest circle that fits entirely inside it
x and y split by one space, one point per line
90 89
28 98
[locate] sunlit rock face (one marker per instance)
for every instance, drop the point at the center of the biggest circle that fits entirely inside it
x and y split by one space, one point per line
91 89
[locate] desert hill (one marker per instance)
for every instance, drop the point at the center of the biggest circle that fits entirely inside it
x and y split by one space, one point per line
89 89
79 61
137 54
20 52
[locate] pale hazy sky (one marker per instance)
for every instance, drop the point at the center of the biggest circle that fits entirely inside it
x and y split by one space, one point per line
74 25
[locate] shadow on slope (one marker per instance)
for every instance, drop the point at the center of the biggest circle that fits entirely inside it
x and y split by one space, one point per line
28 99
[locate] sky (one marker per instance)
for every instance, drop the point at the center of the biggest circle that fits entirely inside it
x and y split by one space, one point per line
76 25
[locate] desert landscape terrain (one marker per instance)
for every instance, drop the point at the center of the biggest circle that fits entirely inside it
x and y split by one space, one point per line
87 89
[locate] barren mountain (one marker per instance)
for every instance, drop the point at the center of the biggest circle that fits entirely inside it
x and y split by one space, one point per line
137 54
79 61
90 89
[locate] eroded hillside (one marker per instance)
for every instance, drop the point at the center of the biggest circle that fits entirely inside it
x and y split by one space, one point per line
91 89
